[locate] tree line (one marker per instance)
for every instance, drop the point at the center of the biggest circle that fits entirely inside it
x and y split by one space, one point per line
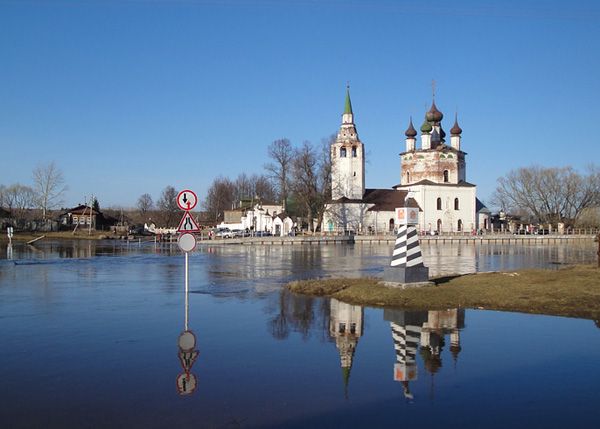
45 193
551 195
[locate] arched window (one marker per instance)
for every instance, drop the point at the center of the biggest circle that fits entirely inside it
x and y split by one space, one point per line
439 203
439 225
391 227
353 151
343 152
456 204
446 177
460 225
408 177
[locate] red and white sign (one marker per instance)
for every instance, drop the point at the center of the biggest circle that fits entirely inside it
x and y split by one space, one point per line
188 224
187 200
407 215
187 242
186 383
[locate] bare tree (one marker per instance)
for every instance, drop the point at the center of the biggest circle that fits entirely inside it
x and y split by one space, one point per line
254 187
263 188
244 188
2 196
145 204
167 204
311 180
219 197
281 152
549 194
19 199
49 186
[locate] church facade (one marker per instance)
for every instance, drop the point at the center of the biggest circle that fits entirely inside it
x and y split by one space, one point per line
432 178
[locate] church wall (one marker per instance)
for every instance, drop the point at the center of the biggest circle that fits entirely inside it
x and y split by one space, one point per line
427 197
430 165
356 217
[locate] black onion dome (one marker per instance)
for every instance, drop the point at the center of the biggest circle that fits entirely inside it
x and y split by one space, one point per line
434 115
442 133
410 131
456 130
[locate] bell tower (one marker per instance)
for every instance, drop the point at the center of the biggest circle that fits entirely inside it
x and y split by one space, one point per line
347 158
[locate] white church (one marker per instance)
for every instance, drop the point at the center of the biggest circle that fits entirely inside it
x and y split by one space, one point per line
434 173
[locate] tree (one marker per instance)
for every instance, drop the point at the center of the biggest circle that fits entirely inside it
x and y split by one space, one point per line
167 204
49 186
219 197
254 187
549 195
96 205
311 180
19 199
145 204
2 196
263 188
281 152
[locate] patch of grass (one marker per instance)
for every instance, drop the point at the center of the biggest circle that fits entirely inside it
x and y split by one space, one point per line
572 291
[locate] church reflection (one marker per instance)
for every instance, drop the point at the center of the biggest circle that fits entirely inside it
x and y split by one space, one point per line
346 328
187 354
429 329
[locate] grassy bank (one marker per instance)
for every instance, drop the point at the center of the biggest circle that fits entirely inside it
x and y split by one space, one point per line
572 291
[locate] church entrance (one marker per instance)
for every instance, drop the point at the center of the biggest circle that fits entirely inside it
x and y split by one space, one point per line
391 227
460 225
439 225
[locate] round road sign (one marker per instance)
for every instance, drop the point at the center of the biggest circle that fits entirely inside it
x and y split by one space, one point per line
186 383
187 200
186 242
186 341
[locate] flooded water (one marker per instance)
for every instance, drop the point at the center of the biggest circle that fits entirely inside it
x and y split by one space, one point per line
91 336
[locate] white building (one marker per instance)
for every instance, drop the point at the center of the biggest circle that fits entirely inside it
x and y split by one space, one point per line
260 218
434 173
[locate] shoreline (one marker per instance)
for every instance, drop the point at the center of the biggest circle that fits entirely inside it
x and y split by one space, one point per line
572 291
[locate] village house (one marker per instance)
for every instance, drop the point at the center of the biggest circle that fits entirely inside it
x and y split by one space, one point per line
266 218
85 217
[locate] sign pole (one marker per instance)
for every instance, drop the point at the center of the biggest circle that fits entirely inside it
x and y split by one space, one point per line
186 290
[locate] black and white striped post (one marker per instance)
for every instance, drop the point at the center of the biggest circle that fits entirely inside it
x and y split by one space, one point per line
406 267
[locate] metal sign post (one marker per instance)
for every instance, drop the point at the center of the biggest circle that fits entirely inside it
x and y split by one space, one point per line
187 382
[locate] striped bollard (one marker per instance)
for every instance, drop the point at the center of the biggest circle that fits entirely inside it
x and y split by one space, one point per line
406 267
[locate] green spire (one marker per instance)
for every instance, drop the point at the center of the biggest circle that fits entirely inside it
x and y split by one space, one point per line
348 104
346 377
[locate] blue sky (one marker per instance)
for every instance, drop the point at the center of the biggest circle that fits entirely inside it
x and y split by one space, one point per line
128 97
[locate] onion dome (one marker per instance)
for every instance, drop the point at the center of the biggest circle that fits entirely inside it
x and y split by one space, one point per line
410 131
426 127
434 115
456 130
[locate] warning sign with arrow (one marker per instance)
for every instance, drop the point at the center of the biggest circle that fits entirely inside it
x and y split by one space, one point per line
188 224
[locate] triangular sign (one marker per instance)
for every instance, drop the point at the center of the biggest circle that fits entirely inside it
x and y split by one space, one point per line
187 359
188 224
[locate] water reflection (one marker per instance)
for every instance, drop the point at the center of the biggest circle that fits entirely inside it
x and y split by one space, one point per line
429 328
345 327
187 354
299 313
